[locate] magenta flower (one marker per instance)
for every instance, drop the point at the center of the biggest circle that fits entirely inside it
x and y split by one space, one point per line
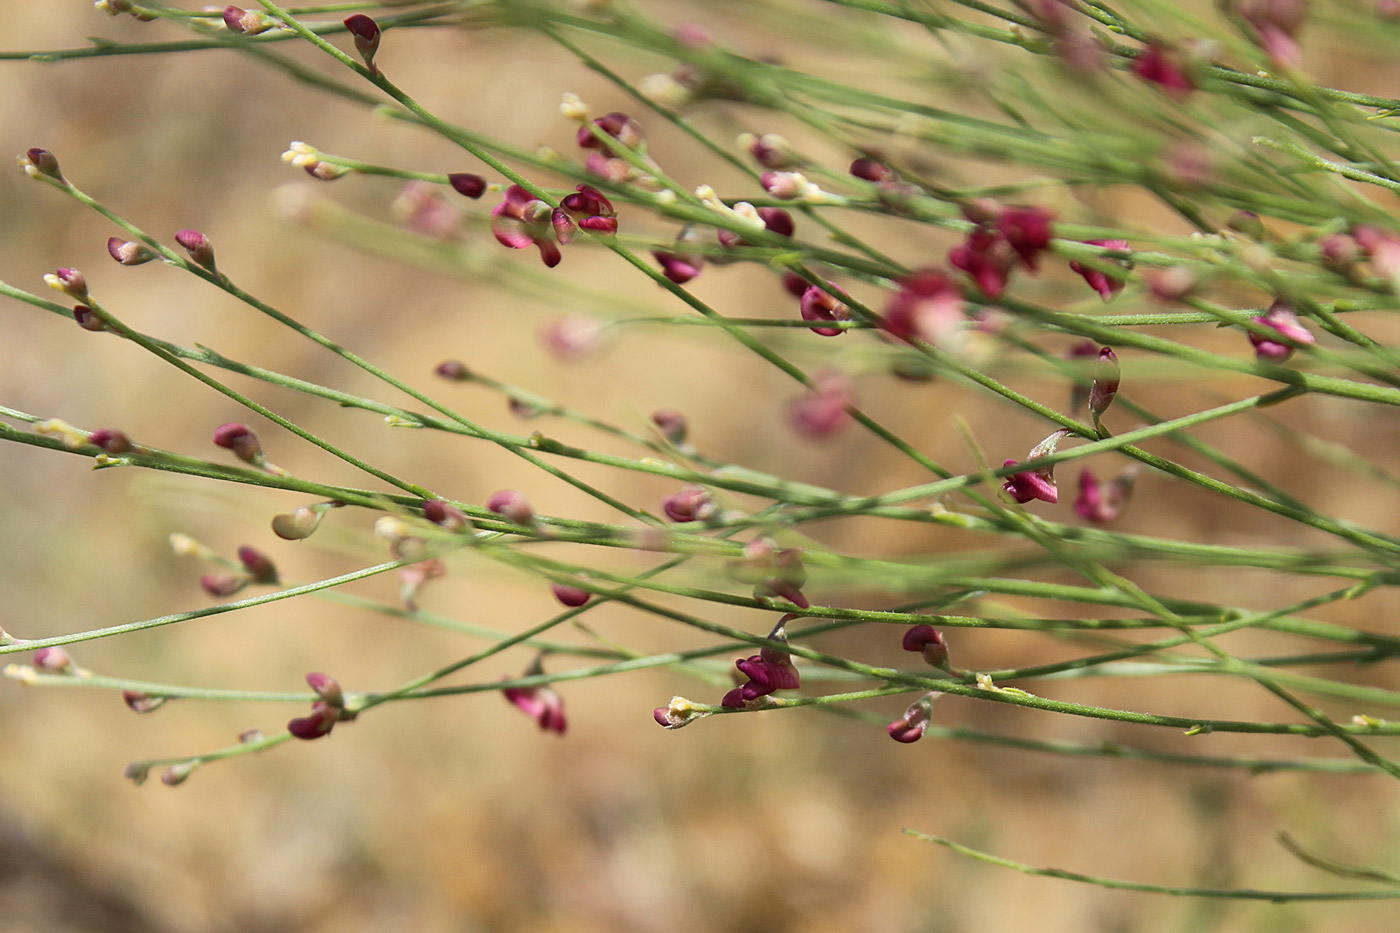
618 125
929 642
1036 484
826 409
587 208
1106 285
523 220
541 704
818 304
1028 230
1101 503
682 263
323 718
987 257
927 307
1162 66
911 726
1275 24
768 671
1282 318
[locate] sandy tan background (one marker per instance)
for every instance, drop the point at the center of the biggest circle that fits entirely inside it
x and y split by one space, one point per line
455 815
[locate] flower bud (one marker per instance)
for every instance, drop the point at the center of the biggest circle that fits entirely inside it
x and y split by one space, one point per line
872 170
513 505
366 34
571 596
87 318
40 162
129 252
691 504
110 440
467 184
53 661
198 246
69 281
454 370
222 584
246 22
672 423
327 688
770 150
1105 388
442 513
240 439
680 713
300 524
139 702
258 565
929 642
177 774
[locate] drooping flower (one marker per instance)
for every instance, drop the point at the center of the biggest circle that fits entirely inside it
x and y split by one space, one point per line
1161 65
768 671
683 262
541 704
618 125
911 726
1106 285
825 409
522 220
1275 24
587 208
1101 503
1028 485
987 257
1028 230
929 642
818 304
927 307
1282 318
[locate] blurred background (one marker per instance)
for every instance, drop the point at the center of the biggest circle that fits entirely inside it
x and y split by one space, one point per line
457 814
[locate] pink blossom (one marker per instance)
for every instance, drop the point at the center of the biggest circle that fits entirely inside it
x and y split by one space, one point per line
1106 285
522 220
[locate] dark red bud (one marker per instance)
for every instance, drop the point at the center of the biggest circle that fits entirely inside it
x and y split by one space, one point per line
110 440
467 184
258 564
